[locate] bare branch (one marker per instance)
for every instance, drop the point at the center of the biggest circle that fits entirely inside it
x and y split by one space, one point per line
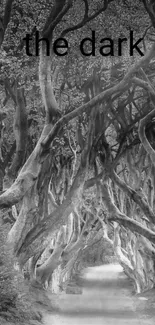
142 135
143 37
146 85
150 8
5 20
86 18
86 9
134 195
58 217
127 80
122 219
43 146
7 13
21 133
75 157
10 89
56 14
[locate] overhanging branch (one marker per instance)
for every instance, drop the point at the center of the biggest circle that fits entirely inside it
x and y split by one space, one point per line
5 20
86 18
56 14
134 195
127 80
142 125
122 219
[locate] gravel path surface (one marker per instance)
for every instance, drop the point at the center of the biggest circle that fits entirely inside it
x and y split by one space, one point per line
107 299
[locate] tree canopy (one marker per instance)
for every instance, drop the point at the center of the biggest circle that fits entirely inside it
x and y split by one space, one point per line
77 164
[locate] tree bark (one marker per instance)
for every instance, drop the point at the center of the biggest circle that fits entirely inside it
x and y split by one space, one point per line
21 133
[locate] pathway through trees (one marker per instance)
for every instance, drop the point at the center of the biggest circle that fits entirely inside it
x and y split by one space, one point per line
107 299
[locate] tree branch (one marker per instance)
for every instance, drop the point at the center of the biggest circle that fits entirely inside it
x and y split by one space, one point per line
122 219
150 8
56 14
47 137
21 133
86 18
99 98
58 217
142 125
5 20
134 195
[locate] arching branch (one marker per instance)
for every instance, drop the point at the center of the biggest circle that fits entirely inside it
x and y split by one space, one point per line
57 12
5 20
86 18
134 195
122 219
150 8
142 135
21 133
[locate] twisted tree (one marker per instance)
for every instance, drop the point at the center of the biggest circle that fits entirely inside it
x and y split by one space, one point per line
109 143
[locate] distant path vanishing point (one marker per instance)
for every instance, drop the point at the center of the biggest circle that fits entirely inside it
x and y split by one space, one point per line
106 300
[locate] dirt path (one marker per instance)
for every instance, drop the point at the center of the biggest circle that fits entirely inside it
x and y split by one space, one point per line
107 299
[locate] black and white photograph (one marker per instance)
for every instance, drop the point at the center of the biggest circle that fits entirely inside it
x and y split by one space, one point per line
77 162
